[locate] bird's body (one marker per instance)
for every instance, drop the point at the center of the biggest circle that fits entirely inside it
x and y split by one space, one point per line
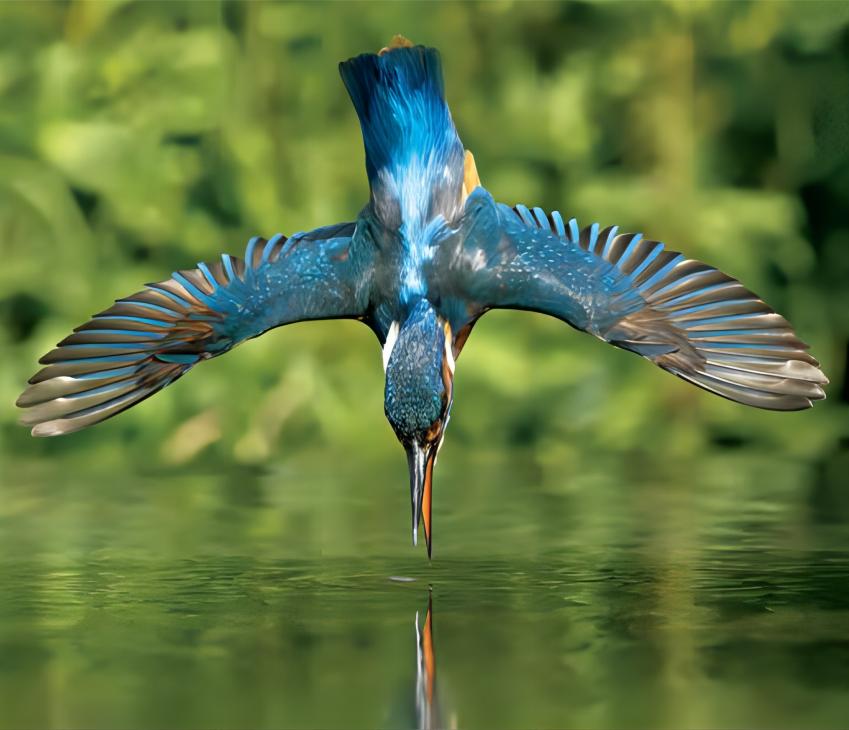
429 254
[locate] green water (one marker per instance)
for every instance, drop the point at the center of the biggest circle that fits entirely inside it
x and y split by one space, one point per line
709 594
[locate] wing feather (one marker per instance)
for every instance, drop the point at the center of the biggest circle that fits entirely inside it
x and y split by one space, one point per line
146 341
682 314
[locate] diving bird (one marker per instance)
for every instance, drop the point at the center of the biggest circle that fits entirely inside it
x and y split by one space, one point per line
429 253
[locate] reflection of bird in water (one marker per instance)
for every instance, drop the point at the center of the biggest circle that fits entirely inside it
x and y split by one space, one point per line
429 710
426 707
428 255
422 708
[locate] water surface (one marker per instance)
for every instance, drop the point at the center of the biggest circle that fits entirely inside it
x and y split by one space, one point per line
708 596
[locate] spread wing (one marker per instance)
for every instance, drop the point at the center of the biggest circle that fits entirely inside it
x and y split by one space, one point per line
142 343
683 315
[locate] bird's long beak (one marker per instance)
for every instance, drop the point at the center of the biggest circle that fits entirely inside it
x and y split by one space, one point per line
420 460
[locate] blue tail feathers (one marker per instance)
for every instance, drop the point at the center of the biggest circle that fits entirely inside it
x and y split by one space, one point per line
399 99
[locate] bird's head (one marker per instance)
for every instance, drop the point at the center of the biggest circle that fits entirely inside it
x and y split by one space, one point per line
419 365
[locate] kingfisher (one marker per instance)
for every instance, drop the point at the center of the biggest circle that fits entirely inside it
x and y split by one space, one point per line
429 254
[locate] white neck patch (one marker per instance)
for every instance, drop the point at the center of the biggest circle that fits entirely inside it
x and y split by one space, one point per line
391 339
449 347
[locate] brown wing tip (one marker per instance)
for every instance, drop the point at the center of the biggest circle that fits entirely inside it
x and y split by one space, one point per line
50 428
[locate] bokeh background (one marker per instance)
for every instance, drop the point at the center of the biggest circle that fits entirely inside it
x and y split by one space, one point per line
137 138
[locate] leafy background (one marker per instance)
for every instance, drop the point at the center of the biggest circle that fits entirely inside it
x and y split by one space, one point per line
614 548
138 138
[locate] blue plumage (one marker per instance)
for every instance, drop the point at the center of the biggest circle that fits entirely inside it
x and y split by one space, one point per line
399 99
160 333
428 255
417 395
414 158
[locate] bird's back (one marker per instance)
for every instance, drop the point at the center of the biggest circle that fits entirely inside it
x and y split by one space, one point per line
414 157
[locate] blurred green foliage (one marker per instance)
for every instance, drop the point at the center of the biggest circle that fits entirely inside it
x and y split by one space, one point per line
615 548
140 137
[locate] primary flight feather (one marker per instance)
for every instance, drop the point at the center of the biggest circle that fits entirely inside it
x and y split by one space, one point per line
427 256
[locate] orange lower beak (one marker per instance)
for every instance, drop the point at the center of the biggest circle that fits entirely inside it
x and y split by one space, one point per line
426 500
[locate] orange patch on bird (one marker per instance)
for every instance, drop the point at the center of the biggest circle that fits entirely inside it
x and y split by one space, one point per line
398 41
462 336
471 179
